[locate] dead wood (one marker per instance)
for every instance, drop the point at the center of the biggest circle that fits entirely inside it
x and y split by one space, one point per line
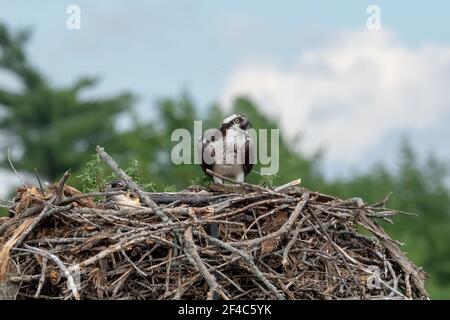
274 243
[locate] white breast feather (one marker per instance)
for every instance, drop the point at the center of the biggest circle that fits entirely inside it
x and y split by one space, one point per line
229 153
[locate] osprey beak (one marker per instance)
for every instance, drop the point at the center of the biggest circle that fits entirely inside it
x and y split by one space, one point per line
245 124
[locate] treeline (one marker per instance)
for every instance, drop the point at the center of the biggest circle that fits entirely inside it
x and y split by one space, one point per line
51 128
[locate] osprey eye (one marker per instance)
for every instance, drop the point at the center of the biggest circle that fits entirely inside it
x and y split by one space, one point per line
237 120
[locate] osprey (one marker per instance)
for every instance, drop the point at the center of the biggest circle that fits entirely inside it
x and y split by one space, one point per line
229 151
121 201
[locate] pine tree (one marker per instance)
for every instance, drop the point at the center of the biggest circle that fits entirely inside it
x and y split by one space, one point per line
52 128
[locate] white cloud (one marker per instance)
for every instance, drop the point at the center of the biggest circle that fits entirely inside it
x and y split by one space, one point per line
349 94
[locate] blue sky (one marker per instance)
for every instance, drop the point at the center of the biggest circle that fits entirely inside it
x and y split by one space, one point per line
213 48
157 47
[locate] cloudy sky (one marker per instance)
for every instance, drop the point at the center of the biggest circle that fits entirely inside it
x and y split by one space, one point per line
312 64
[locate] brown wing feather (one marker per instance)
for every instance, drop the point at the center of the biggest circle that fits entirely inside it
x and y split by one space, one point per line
249 156
203 164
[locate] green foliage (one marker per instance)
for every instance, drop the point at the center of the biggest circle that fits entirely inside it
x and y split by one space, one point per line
95 175
267 181
52 128
92 177
202 180
134 171
171 188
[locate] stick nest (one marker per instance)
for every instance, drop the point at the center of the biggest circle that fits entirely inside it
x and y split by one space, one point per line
285 244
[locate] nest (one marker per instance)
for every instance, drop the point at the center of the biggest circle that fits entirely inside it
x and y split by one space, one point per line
273 243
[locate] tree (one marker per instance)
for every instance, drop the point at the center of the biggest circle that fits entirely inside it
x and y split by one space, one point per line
293 163
52 128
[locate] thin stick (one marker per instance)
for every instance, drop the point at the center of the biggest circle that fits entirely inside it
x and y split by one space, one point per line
42 278
284 228
44 214
39 180
292 242
195 259
131 184
249 260
14 169
60 189
70 281
249 185
288 185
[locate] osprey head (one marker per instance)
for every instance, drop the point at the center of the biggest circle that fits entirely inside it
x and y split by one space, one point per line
235 121
124 200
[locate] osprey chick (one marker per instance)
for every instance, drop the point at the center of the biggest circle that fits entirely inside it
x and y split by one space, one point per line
229 151
122 201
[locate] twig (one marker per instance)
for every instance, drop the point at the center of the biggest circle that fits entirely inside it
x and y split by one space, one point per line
292 242
250 261
325 233
42 278
195 259
104 246
284 228
60 188
288 185
91 195
14 169
131 184
244 184
70 281
41 188
44 214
